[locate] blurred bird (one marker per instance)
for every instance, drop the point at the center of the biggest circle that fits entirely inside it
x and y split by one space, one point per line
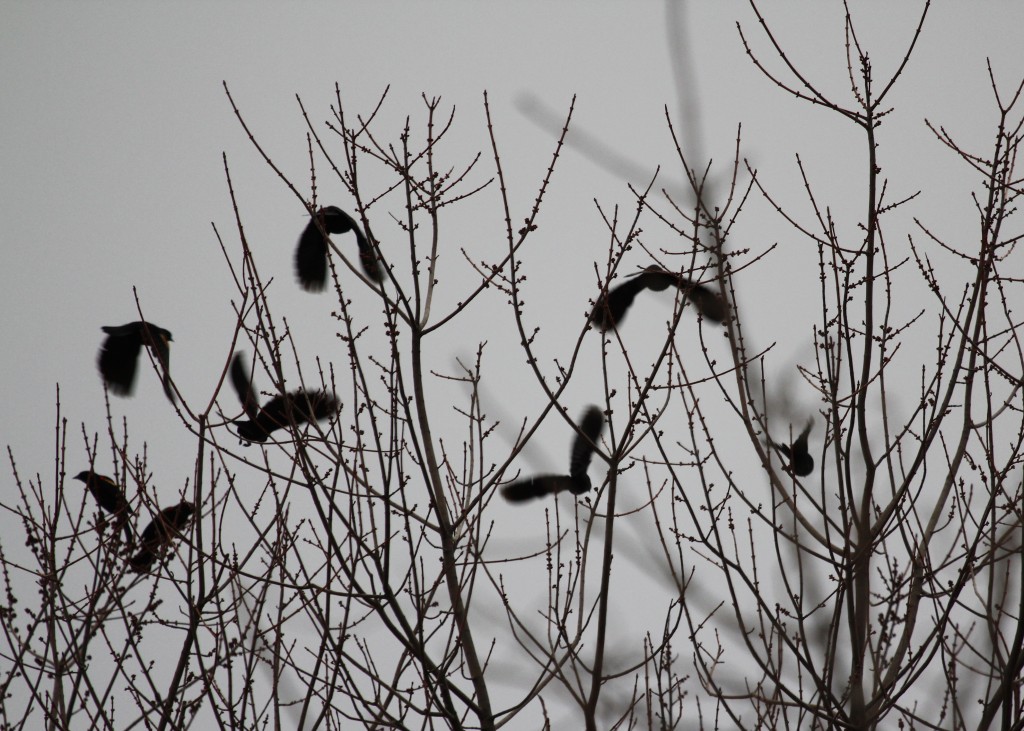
119 356
311 254
611 310
168 524
801 463
110 497
577 481
296 407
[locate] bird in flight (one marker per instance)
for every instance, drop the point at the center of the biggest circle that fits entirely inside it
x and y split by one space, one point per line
801 463
119 356
311 253
110 497
609 311
296 407
168 524
577 481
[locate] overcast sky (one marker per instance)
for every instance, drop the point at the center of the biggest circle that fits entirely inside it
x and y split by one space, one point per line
113 121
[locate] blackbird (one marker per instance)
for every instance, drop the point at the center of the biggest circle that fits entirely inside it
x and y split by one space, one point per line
119 356
296 407
168 524
577 481
311 253
611 310
110 497
801 463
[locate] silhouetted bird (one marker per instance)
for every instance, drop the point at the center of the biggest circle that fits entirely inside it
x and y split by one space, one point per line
311 254
577 481
801 463
708 302
110 497
611 311
168 524
298 406
119 356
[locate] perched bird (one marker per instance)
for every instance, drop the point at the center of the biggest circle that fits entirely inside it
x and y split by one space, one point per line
110 497
610 310
577 481
296 407
168 524
119 356
801 463
311 254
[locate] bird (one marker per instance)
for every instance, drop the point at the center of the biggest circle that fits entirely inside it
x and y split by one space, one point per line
296 407
119 356
168 524
609 311
577 481
311 253
110 497
801 463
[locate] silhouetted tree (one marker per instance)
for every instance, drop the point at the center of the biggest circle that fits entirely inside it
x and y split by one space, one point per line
704 572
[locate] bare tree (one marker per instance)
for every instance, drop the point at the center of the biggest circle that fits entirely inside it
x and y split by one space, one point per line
748 566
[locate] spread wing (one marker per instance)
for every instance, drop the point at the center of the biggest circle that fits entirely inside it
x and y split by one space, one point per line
118 360
336 221
311 258
240 379
609 311
162 347
302 405
167 525
577 481
583 446
367 256
536 487
708 302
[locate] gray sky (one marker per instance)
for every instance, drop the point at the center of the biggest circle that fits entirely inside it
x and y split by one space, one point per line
113 120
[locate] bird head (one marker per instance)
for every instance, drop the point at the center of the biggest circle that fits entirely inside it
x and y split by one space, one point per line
249 432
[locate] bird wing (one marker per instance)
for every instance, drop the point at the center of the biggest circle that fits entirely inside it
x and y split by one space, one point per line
108 494
302 405
802 439
118 359
162 347
535 487
274 414
801 459
311 259
240 379
368 258
610 310
367 255
338 221
590 427
708 302
165 526
322 405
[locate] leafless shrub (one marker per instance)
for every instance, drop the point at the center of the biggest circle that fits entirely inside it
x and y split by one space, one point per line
357 570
